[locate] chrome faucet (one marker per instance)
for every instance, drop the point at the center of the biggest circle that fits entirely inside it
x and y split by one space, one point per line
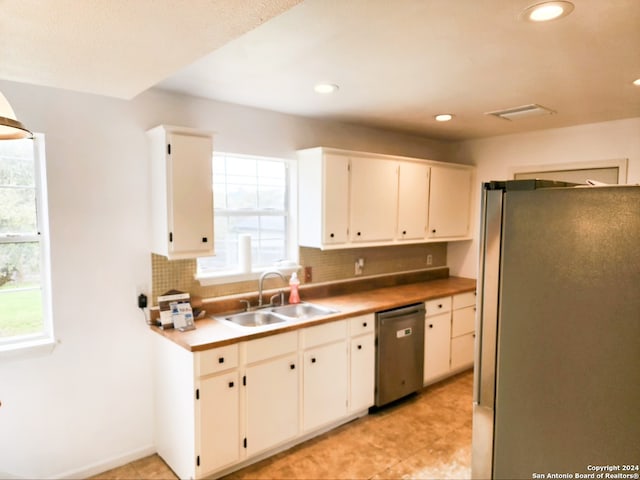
261 281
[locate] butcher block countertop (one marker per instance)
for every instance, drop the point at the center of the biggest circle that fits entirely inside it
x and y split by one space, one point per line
211 333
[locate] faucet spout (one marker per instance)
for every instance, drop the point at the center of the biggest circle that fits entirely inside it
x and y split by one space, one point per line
261 282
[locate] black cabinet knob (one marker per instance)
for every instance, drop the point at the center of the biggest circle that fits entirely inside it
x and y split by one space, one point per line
313 359
359 234
221 360
440 305
205 239
433 231
404 232
292 366
431 325
331 235
359 347
364 324
231 384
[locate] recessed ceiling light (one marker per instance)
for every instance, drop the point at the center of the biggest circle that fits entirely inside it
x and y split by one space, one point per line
545 11
325 87
636 82
443 117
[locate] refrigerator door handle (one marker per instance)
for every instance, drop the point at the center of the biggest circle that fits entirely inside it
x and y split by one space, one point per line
488 300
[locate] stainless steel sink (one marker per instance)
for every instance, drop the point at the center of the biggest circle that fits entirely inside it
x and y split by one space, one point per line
272 315
303 311
258 318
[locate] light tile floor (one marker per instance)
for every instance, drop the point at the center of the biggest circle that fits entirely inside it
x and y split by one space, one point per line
426 436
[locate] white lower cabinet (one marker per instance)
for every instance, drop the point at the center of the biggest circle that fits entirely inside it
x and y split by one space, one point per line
218 414
324 390
437 336
362 363
271 383
218 409
449 336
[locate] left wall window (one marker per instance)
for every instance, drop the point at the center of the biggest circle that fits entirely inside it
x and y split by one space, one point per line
25 307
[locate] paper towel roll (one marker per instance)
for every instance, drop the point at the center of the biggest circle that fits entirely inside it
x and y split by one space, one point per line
244 252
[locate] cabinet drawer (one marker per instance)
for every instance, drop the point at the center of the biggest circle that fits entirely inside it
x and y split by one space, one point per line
271 347
464 321
466 299
320 334
216 360
462 351
438 305
361 324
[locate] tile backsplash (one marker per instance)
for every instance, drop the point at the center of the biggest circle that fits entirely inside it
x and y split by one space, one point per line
326 266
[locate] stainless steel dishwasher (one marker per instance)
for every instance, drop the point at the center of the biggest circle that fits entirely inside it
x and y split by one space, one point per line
399 352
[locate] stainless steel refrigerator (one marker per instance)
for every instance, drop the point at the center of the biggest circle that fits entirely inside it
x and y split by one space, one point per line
557 371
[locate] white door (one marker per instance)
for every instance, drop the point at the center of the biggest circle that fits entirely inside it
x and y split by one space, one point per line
449 202
362 373
374 200
325 385
190 196
437 338
413 201
219 413
272 403
335 198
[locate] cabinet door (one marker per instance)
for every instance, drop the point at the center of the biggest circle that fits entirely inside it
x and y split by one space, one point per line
449 202
325 385
190 194
362 372
413 201
374 199
272 403
219 422
463 321
462 351
437 338
335 198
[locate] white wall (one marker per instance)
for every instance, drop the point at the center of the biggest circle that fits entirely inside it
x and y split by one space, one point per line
88 406
496 158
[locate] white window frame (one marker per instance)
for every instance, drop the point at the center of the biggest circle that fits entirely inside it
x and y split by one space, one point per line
219 277
44 341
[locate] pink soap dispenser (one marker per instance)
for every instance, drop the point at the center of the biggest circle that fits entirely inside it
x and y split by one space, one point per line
294 283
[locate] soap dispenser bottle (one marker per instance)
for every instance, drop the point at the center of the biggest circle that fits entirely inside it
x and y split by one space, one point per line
294 283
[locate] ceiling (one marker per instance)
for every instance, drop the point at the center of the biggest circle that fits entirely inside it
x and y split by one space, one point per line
397 63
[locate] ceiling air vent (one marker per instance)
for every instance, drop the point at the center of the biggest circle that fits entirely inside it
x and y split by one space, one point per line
524 111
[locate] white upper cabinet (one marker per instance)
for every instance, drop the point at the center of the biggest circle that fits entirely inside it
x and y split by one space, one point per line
181 192
413 200
374 197
351 199
449 202
323 198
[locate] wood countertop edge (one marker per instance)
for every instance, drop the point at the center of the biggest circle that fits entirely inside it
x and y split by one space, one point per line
212 333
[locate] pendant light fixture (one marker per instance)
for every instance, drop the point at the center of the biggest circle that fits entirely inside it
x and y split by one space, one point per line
10 127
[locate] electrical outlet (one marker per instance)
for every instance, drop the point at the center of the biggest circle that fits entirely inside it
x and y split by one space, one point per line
308 274
359 268
429 259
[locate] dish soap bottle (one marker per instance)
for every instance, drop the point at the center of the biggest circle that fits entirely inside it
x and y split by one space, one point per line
294 283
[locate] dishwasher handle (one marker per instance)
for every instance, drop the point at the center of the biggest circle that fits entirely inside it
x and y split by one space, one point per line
417 308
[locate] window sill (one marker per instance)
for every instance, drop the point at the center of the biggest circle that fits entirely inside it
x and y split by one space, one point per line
28 349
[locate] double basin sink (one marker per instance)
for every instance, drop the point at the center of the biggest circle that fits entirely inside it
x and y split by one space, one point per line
271 315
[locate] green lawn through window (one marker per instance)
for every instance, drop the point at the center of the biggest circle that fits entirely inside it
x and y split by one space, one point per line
20 312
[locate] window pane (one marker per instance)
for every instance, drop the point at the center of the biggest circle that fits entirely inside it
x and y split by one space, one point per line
16 168
244 188
17 211
20 295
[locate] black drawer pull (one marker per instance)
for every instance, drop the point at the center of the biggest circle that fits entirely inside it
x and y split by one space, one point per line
332 235
205 239
292 366
359 347
313 359
431 325
364 324
231 384
439 305
221 360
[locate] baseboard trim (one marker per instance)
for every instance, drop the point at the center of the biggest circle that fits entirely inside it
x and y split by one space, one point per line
104 465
